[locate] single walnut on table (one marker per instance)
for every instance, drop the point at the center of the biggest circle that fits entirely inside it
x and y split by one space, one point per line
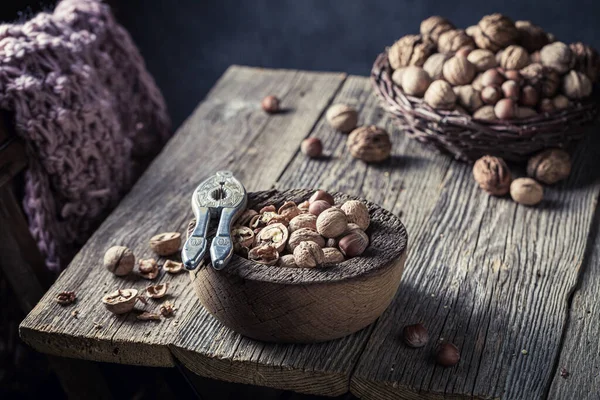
549 166
526 191
119 260
492 175
342 117
369 144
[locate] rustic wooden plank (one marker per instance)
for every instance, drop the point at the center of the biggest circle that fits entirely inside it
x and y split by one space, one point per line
492 277
209 349
220 130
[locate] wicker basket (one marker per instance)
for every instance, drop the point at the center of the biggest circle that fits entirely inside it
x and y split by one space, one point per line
468 139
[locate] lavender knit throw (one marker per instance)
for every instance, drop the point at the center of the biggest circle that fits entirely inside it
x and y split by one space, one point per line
88 112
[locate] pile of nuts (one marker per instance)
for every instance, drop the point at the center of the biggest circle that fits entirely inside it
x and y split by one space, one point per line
445 353
312 234
495 70
548 167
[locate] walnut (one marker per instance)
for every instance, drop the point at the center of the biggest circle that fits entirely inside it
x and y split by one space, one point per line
557 56
119 260
434 65
495 32
459 71
485 113
65 298
287 261
265 254
451 41
165 244
482 59
242 237
173 267
576 85
586 60
308 255
549 166
415 81
544 79
440 95
120 301
434 26
157 291
514 57
531 36
505 109
289 210
304 235
561 102
332 256
342 118
357 213
332 223
303 221
275 235
526 191
492 175
369 144
471 30
468 97
354 243
529 96
410 50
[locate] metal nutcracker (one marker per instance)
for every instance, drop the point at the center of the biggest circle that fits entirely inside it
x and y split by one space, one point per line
220 196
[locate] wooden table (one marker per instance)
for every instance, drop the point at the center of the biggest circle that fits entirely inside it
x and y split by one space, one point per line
514 287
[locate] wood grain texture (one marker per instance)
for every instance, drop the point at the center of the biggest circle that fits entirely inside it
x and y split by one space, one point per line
492 277
221 130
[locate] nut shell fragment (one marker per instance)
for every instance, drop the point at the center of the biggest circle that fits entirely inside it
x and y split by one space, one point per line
165 244
120 301
157 291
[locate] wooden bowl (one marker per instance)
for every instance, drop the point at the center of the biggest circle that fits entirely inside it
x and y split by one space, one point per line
306 305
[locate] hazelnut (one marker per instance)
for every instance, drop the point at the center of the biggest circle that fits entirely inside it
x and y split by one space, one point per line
546 106
270 104
492 77
529 96
513 75
511 90
157 291
354 243
543 78
478 82
505 109
557 56
415 335
535 57
525 112
585 60
491 94
526 191
242 237
370 144
303 221
464 51
482 59
318 206
321 195
415 81
492 175
447 354
410 50
165 244
308 255
452 40
289 210
468 97
275 235
531 36
459 71
267 255
434 65
485 113
119 260
495 32
332 222
576 85
357 213
549 166
333 256
304 235
434 26
173 267
561 102
312 147
342 118
440 95
287 261
120 301
514 57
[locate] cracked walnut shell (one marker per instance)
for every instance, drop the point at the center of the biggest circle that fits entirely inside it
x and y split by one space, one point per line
264 254
275 235
492 175
165 244
157 291
410 50
120 301
369 144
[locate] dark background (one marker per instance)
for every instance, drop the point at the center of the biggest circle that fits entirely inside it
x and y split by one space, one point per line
188 44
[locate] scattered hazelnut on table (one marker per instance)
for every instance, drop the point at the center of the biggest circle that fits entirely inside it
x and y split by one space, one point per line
433 66
165 244
549 166
482 59
312 147
332 255
440 95
514 57
415 81
270 104
459 71
453 40
505 109
410 50
526 191
65 298
576 85
495 32
303 221
357 213
157 291
415 335
304 235
342 117
434 26
120 301
557 56
119 260
491 94
354 243
370 143
287 261
447 354
318 206
308 255
321 195
267 255
275 235
492 175
332 223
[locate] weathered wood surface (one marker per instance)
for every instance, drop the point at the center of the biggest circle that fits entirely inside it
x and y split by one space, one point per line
491 276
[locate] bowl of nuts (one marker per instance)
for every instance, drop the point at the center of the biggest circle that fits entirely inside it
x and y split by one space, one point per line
500 88
308 267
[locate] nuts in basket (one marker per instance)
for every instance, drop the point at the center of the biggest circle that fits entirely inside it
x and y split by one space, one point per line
410 50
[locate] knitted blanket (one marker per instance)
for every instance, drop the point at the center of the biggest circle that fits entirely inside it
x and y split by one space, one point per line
88 112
